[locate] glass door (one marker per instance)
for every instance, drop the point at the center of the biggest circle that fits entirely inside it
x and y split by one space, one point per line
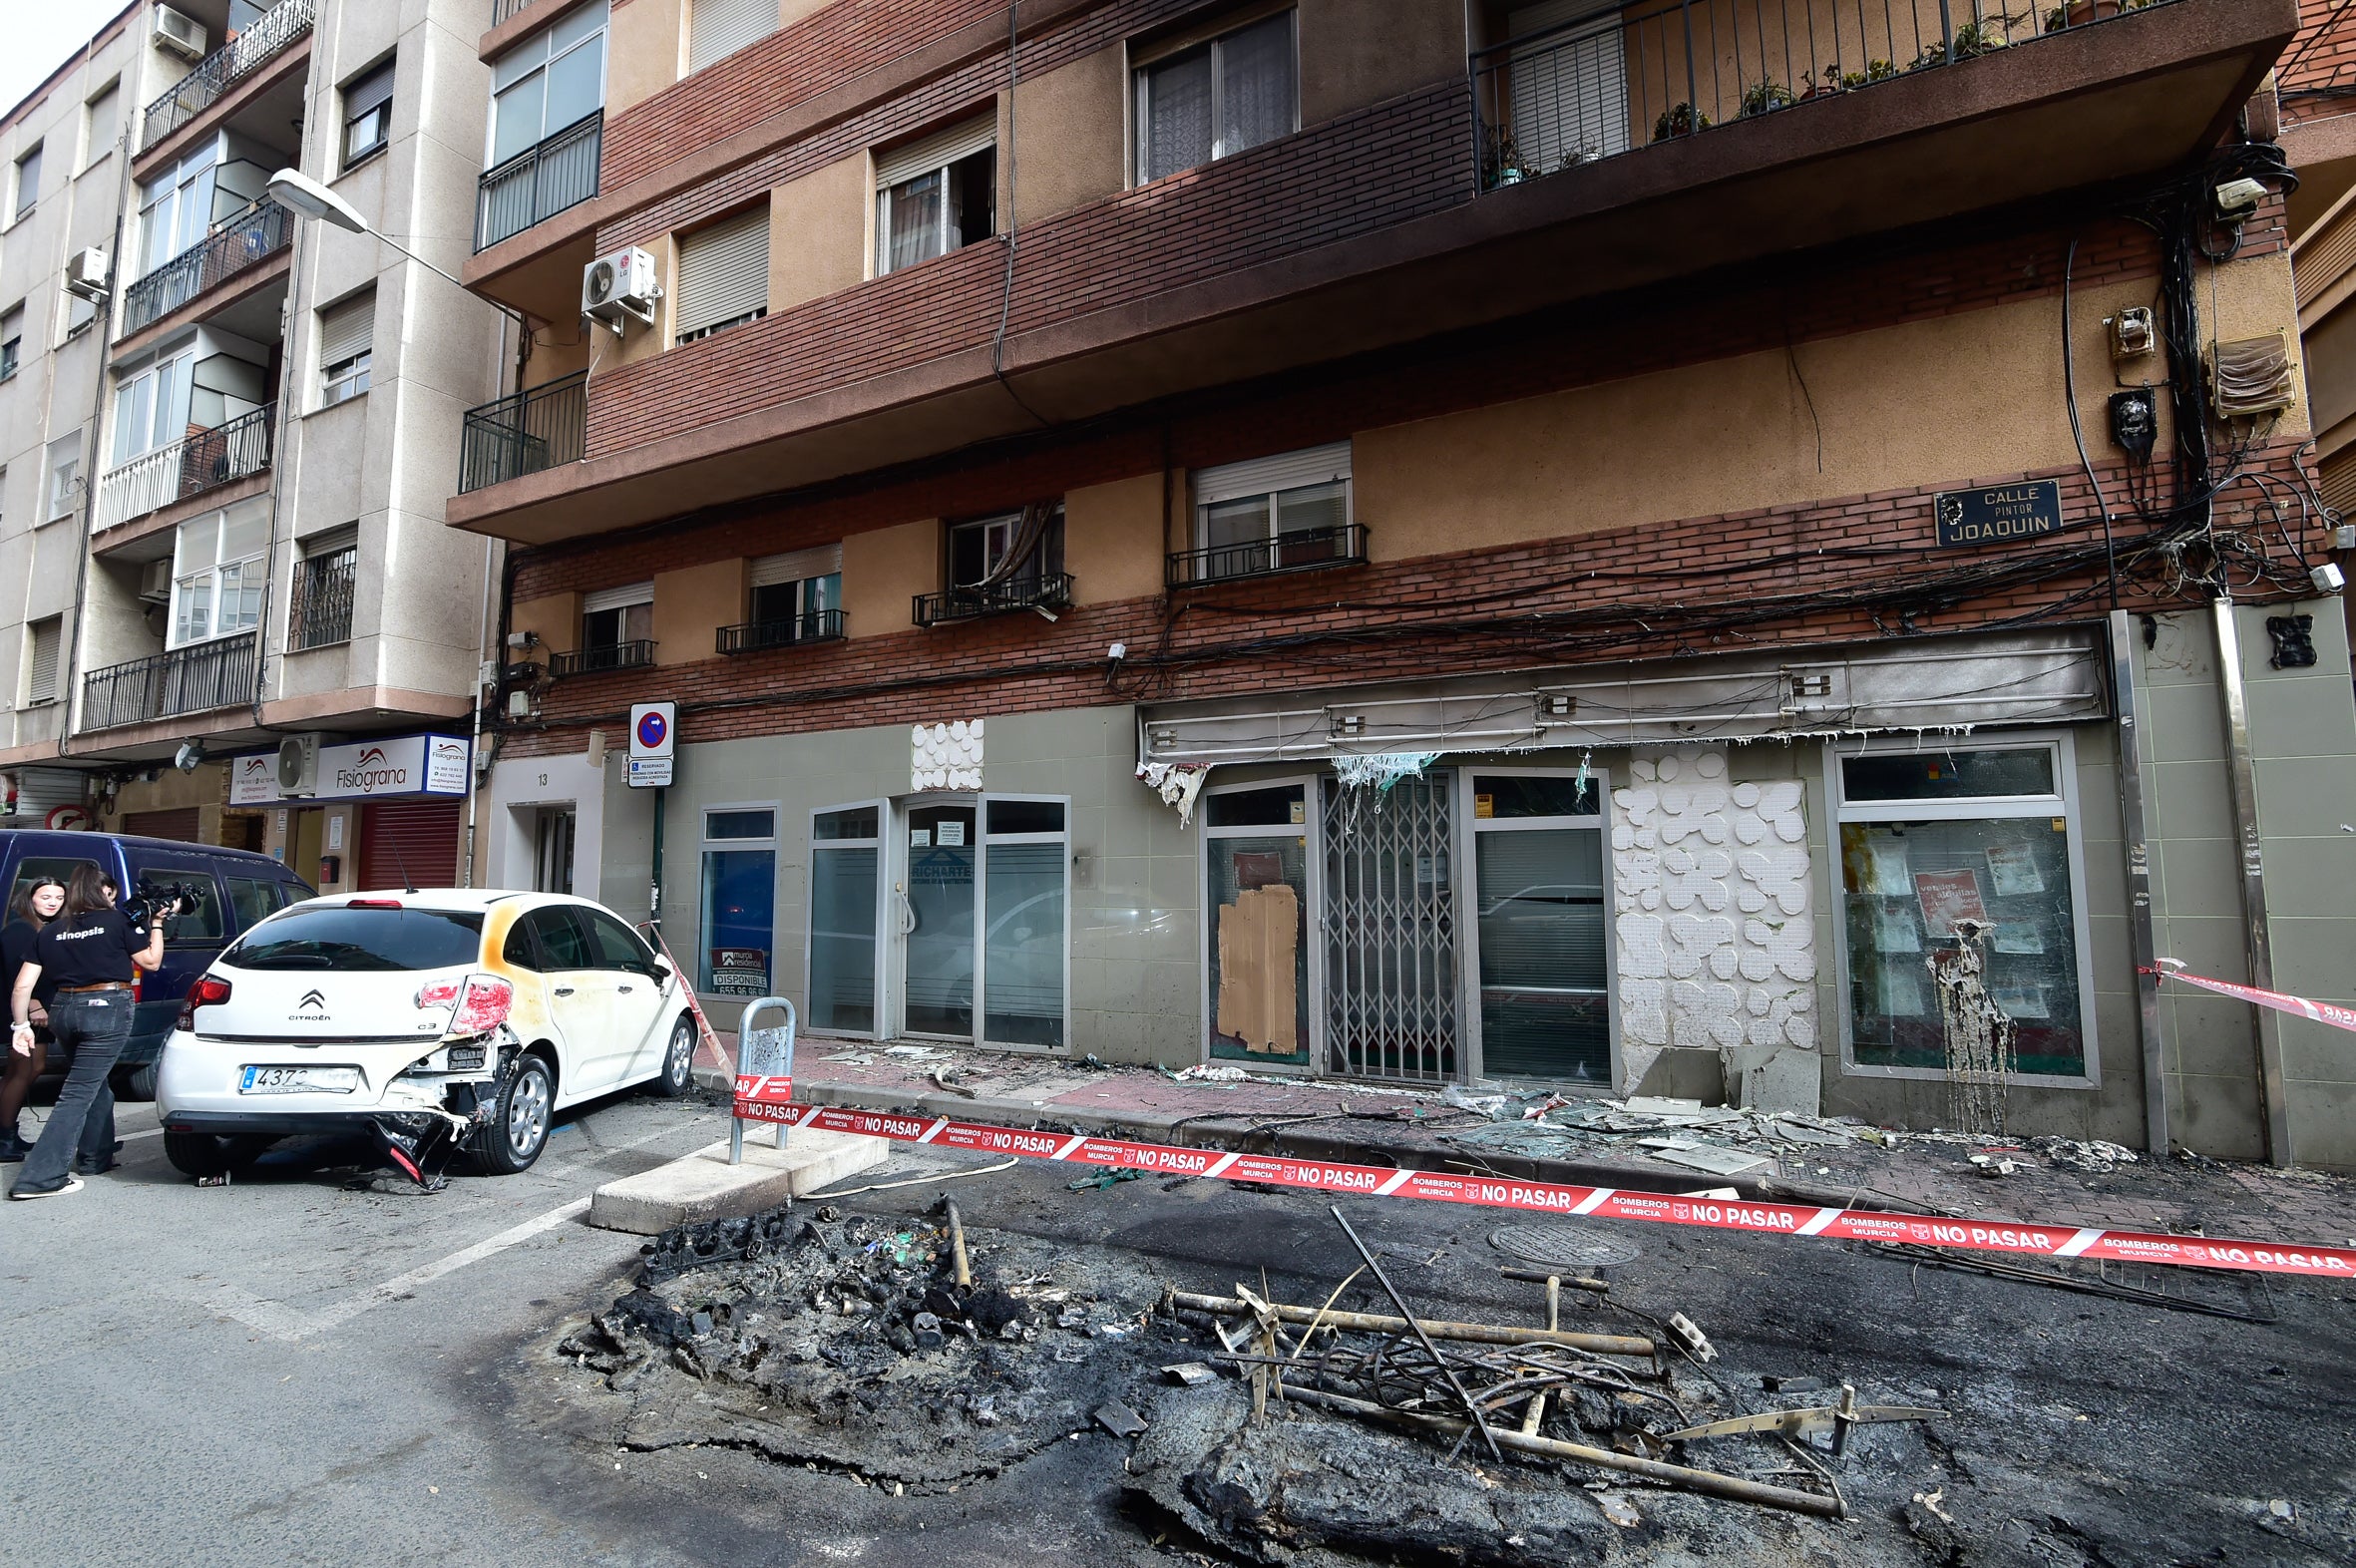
937 918
1256 882
846 882
1538 885
1026 858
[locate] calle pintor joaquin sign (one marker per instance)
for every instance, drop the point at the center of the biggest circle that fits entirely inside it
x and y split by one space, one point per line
1999 514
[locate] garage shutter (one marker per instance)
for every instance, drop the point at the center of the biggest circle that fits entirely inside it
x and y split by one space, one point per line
420 835
177 824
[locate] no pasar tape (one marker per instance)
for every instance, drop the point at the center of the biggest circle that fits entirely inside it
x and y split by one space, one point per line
1600 1203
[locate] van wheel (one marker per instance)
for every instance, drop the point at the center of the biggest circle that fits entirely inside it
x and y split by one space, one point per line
519 1130
202 1154
679 1061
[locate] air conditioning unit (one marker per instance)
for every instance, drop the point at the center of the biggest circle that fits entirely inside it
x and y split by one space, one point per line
298 765
619 285
155 582
178 32
86 275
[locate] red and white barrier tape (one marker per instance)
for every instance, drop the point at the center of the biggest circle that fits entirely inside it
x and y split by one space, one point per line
2329 1013
1602 1203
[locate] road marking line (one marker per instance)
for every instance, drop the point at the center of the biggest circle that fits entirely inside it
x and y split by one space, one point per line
284 1322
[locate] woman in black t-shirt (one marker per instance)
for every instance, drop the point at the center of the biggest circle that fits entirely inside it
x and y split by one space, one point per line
36 904
88 954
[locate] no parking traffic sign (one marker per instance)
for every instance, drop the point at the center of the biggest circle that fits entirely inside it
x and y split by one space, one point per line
653 733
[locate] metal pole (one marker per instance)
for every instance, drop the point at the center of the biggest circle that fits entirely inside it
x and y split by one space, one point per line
1471 1407
1693 88
2132 829
2242 773
654 883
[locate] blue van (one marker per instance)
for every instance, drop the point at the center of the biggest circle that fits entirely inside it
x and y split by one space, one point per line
228 889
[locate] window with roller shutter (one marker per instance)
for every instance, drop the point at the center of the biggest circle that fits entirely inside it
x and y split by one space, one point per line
1570 88
347 334
796 596
937 194
716 29
47 638
723 276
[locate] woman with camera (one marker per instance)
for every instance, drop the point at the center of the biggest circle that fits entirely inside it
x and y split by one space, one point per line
36 904
87 954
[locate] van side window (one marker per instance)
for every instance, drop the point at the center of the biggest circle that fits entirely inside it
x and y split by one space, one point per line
40 868
250 900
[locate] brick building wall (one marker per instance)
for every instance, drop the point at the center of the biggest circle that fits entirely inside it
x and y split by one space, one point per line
2317 76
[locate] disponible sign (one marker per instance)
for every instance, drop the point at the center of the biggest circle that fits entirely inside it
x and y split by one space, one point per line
407 766
1999 514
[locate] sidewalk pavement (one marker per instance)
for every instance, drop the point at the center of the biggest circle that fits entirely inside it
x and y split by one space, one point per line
1381 1125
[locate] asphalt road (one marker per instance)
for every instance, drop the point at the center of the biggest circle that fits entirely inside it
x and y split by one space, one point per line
298 1369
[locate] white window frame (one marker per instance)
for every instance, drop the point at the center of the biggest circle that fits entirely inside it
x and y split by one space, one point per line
342 380
544 42
62 500
2063 747
381 112
1313 896
1140 109
150 376
170 191
213 577
1467 893
957 146
885 937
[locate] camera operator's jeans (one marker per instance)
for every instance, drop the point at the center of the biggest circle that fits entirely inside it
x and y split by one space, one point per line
94 1026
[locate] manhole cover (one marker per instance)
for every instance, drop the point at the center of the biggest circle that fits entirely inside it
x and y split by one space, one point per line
1561 1245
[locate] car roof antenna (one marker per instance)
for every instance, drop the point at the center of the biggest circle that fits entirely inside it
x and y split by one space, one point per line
408 883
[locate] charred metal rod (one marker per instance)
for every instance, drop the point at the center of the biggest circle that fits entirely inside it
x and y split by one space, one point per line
1710 1482
1471 1332
1575 1281
1471 1406
957 1247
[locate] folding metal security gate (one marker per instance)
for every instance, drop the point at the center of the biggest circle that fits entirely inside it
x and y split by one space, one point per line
1392 983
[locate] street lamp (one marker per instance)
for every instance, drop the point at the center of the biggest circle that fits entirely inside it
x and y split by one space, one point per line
304 196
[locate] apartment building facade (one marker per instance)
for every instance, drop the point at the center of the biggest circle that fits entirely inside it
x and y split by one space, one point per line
265 407
1664 548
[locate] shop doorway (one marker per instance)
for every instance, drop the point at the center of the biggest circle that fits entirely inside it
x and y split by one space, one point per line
945 917
1391 931
410 843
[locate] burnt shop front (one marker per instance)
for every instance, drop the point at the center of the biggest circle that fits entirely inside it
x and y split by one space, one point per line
363 815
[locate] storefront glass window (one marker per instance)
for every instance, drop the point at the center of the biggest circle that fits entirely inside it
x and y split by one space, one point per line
1942 847
739 901
843 865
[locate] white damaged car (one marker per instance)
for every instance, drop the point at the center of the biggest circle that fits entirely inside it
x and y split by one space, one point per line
435 1021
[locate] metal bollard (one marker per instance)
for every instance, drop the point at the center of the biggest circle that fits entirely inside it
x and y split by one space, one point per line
764 1072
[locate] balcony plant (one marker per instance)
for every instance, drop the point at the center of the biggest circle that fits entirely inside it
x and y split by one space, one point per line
1835 80
1679 120
1500 160
2076 13
1764 98
1972 39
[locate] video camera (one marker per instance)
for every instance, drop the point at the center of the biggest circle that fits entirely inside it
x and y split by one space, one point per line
160 900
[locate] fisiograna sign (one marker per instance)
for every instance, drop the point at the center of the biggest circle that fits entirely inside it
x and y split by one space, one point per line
405 766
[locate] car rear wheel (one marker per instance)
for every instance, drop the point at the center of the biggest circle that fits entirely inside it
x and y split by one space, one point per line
202 1154
138 1083
679 1061
520 1129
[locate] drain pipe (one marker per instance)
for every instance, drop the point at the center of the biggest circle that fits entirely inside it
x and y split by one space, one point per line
2241 774
2132 829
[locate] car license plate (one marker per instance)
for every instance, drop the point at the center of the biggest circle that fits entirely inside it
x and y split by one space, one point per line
299 1080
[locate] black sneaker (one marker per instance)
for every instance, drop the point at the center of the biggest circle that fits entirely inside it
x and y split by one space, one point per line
23 1193
12 1149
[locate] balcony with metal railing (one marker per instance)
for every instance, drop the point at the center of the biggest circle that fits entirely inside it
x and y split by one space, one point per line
219 673
225 69
206 460
523 432
819 625
636 653
235 246
1024 591
1302 550
538 183
319 609
1618 81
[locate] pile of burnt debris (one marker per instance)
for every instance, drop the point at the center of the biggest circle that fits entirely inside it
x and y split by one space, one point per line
908 1355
